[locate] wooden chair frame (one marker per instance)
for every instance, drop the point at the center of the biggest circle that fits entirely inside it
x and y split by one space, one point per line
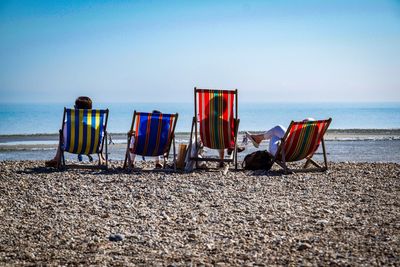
280 155
127 161
101 156
195 123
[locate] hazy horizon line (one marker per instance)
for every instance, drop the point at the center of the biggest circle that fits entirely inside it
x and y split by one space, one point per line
191 102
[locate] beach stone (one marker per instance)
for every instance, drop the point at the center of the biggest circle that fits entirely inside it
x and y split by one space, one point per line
303 246
116 237
322 222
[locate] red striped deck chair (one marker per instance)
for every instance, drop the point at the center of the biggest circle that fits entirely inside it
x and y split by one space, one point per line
215 121
301 141
84 131
154 133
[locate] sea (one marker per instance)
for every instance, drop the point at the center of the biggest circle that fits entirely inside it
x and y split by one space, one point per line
359 132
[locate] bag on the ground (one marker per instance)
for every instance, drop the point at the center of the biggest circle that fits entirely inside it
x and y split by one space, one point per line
259 160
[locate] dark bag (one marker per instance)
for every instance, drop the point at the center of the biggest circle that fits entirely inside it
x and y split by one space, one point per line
259 160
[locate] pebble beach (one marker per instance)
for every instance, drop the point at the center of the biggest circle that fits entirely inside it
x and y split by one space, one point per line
348 215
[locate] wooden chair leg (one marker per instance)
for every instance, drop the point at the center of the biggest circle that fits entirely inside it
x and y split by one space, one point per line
307 163
174 150
285 168
324 152
191 141
106 155
236 163
237 121
315 163
63 159
126 160
60 159
127 152
282 165
234 155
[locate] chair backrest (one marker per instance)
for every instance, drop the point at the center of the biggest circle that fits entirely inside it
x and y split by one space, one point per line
303 138
153 133
216 112
84 130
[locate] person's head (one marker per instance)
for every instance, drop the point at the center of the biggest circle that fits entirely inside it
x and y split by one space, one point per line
217 102
83 102
156 111
309 119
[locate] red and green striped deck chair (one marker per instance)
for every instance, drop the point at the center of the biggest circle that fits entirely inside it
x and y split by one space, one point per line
84 131
154 133
301 141
216 122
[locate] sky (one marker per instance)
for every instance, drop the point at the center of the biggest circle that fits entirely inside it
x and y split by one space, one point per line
157 51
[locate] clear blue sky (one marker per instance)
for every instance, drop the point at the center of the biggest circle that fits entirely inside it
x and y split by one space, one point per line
157 51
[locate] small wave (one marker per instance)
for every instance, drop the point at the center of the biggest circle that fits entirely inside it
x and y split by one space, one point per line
29 142
374 138
42 149
36 149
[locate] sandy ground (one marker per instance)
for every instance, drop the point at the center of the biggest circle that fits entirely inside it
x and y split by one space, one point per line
346 216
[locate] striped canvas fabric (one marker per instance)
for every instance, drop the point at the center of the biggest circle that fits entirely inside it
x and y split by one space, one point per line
216 118
153 133
84 130
304 138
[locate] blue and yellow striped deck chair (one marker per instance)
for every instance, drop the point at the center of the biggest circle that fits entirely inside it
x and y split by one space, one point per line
154 133
84 131
301 141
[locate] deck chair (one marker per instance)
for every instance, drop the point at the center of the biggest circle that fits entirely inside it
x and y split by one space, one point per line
301 141
154 133
216 122
85 133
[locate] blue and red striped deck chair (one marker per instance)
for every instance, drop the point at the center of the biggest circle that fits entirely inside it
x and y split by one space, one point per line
215 121
301 141
154 133
84 131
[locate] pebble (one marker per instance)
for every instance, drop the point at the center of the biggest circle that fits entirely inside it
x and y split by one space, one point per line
116 237
303 246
